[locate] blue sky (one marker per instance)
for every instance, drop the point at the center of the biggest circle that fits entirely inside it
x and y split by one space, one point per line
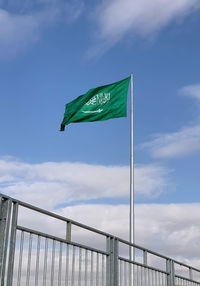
53 51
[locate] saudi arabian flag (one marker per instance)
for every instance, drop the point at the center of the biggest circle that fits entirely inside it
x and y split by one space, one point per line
100 103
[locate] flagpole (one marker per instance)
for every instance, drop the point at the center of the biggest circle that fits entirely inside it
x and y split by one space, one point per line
132 217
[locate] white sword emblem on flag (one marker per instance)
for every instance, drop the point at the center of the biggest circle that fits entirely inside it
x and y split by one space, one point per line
93 111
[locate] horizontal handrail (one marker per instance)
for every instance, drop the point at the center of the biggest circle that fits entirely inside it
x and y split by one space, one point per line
28 230
142 265
187 279
37 209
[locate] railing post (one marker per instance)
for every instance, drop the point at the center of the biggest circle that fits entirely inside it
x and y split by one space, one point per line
12 244
171 273
112 278
145 257
5 210
190 273
69 231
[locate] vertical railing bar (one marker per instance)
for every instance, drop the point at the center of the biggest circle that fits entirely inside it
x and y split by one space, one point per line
137 275
67 265
161 274
153 277
53 262
160 278
145 276
115 261
120 273
141 276
20 259
86 266
173 272
131 271
80 266
108 269
37 261
149 277
12 244
156 278
97 270
124 276
168 277
91 275
60 265
142 280
29 260
73 263
125 273
45 262
156 273
103 269
131 277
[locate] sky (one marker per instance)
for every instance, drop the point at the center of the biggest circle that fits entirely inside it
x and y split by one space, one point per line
53 51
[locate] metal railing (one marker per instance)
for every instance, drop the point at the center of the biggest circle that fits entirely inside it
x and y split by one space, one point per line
38 247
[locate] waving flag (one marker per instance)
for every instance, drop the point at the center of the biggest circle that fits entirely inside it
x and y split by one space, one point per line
100 103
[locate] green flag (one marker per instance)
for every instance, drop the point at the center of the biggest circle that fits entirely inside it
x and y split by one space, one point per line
100 103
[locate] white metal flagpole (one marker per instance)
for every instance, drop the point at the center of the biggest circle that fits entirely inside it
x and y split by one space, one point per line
132 217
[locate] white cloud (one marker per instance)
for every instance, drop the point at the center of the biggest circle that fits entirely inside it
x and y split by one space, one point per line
191 90
181 143
117 18
17 31
21 23
68 182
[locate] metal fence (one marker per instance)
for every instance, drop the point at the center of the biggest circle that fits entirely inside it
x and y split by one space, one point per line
42 248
